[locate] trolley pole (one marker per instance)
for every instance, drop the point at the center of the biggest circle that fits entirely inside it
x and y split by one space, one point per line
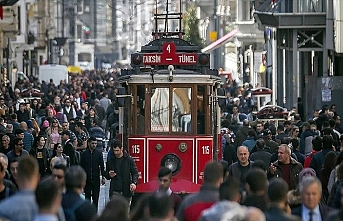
216 52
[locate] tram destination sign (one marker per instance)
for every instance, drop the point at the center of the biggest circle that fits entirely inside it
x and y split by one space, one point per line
169 56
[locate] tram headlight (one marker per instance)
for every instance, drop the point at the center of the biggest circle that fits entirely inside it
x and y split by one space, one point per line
172 162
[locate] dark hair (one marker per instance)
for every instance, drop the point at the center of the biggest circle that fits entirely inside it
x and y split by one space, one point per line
79 124
317 143
326 126
58 109
252 133
295 143
95 122
115 209
90 139
60 166
16 140
65 132
297 117
116 143
324 108
259 164
213 172
332 123
27 168
13 116
46 193
18 131
256 179
160 205
164 171
287 122
260 144
327 142
229 189
285 140
277 190
138 211
75 177
55 148
281 127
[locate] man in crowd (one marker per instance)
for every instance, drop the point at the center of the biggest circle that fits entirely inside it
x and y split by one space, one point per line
310 189
82 136
317 161
18 150
277 194
286 167
23 206
69 110
48 198
262 153
72 203
192 206
92 162
256 188
161 207
164 181
239 169
228 207
123 178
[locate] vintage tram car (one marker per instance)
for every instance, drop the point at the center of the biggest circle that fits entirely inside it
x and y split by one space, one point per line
170 115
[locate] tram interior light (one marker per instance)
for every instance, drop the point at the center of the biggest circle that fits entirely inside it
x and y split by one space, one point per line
172 162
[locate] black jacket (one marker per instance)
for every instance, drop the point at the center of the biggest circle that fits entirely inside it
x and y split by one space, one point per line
93 164
128 170
276 214
45 153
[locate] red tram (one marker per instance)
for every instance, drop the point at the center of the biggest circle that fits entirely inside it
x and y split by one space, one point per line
170 116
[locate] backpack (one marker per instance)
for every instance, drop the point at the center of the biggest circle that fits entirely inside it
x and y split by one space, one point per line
69 213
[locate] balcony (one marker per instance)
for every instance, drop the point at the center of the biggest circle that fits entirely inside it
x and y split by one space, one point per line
287 14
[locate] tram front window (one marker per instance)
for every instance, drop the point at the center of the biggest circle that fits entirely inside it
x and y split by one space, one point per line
160 110
181 110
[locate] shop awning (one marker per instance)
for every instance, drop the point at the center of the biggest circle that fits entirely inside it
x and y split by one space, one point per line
220 41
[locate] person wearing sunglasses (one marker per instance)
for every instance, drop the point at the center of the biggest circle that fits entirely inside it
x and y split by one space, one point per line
18 150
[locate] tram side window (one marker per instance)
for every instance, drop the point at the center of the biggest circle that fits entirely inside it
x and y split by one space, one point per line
201 110
181 110
140 109
159 110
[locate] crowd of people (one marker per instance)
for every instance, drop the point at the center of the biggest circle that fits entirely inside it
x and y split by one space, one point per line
52 166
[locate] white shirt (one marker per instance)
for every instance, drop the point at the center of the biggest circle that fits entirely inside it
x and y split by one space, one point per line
305 214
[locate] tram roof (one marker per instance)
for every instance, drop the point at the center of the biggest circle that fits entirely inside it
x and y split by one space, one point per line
162 77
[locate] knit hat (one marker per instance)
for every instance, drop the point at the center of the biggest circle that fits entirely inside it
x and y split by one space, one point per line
306 172
46 123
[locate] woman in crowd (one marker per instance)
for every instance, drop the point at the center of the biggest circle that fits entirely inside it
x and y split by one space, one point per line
53 135
58 153
40 152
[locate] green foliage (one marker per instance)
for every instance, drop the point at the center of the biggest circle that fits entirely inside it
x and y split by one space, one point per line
191 28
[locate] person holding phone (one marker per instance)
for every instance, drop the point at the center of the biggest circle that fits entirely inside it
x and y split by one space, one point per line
122 171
